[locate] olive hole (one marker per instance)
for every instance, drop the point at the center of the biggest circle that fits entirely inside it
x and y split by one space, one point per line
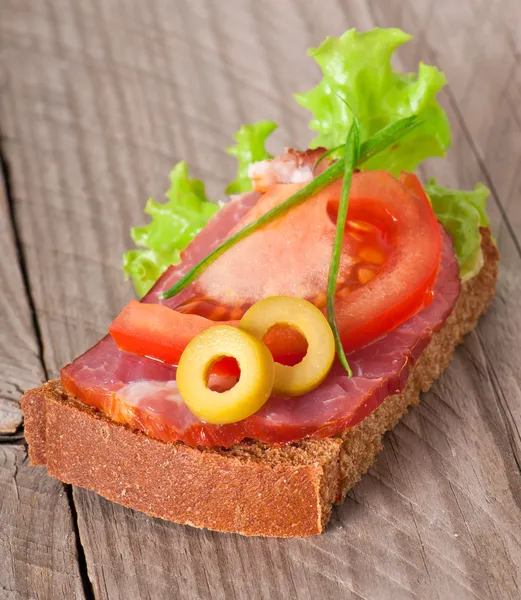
223 374
286 343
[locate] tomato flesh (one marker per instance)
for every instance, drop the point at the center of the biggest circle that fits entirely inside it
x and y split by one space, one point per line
392 249
162 333
404 286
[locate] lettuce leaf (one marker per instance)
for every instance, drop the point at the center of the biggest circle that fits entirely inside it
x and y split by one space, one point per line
249 148
359 78
174 224
462 214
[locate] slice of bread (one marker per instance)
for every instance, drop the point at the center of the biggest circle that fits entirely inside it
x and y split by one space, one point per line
252 488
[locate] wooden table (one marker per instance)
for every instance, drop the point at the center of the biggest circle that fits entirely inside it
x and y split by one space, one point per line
98 99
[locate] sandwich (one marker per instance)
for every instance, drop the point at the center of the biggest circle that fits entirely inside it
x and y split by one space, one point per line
280 334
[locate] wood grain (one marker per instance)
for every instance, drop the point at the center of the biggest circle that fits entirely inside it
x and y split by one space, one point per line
20 365
38 555
99 99
37 541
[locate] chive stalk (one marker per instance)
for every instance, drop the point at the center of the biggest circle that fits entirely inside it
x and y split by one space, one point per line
379 141
354 156
351 157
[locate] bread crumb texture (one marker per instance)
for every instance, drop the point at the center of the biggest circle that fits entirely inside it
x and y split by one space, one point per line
252 488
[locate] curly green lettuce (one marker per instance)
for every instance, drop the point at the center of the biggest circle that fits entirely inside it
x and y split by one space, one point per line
462 214
173 225
250 147
358 78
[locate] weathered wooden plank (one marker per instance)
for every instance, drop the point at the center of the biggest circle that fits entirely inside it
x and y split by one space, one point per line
10 417
108 96
38 555
37 541
20 366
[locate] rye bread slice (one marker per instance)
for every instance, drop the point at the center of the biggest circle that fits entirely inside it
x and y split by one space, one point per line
252 488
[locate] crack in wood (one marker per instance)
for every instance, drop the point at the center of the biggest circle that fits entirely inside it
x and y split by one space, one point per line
88 588
513 434
6 176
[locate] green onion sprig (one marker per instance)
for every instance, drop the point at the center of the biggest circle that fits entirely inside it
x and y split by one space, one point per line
333 173
326 154
351 158
380 141
355 155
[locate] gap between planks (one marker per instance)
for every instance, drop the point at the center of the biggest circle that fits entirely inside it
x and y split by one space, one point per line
16 423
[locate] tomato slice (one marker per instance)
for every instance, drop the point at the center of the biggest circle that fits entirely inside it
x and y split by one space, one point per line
404 286
390 261
157 331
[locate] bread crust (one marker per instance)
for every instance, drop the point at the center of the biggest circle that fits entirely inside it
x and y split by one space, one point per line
252 488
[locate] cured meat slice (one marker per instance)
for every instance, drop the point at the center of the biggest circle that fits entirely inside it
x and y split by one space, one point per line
142 392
